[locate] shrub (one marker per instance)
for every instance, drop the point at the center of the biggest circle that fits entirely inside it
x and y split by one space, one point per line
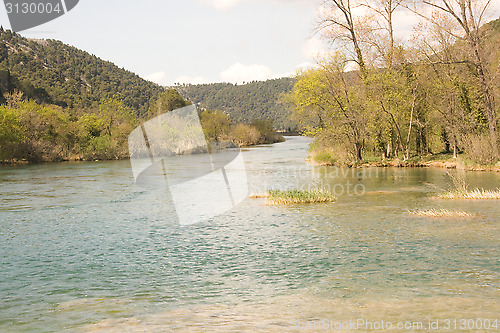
245 135
480 149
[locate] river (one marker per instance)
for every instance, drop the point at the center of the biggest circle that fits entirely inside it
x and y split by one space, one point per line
84 249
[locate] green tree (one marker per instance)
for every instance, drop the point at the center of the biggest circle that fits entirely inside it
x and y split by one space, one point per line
167 101
267 132
215 125
338 101
11 133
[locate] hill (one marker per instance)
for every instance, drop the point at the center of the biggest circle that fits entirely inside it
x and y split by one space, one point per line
262 100
52 72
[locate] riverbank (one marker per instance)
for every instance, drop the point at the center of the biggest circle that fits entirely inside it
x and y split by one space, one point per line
214 146
445 161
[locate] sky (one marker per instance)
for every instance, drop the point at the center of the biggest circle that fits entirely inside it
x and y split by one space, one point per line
197 41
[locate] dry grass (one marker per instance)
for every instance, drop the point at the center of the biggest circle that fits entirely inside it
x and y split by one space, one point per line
258 196
278 197
477 194
441 213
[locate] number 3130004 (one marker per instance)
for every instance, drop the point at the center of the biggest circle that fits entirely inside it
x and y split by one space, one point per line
33 8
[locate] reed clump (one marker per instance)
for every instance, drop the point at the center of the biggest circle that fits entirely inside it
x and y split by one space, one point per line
477 194
291 197
462 190
441 213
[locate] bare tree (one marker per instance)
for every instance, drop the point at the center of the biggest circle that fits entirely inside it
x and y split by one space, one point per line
337 22
469 15
385 9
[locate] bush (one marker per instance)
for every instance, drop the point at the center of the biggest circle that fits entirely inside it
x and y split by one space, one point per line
267 132
245 135
325 153
480 149
101 148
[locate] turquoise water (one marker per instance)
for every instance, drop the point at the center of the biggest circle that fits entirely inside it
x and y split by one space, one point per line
84 249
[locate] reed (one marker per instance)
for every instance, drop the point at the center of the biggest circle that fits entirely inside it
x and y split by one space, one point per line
278 197
477 194
441 213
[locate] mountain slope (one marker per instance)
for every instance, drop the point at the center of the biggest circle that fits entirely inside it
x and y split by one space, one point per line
244 103
52 72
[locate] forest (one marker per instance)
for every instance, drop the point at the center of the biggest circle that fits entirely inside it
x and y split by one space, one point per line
376 98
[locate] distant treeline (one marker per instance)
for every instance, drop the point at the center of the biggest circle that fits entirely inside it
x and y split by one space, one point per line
258 100
34 132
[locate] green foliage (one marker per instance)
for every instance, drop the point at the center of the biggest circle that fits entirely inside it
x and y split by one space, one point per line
290 197
407 110
267 134
115 115
11 133
91 126
101 148
332 105
36 133
167 101
216 125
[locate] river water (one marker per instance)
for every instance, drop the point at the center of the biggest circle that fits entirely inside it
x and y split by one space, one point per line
84 249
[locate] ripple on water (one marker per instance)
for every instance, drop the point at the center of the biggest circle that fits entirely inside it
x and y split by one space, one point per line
84 249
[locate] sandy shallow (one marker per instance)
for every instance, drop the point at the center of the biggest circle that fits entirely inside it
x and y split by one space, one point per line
303 312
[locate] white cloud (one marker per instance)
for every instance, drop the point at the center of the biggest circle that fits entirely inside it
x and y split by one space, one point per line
314 48
162 79
239 73
190 79
219 4
157 77
305 66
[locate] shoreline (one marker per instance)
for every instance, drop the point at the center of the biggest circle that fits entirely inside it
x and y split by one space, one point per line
440 164
217 145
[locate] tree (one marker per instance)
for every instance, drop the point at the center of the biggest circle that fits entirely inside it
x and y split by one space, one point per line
339 24
469 15
167 101
386 45
11 132
339 102
215 125
113 114
245 135
266 130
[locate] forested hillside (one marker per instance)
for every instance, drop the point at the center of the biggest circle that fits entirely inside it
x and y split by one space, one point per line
52 72
260 100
